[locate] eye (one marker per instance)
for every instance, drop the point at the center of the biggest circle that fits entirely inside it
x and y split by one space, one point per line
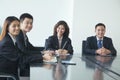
14 26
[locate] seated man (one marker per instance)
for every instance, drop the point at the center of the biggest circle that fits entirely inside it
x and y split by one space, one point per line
30 53
100 44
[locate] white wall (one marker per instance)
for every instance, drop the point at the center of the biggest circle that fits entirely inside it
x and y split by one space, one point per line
46 14
88 13
81 16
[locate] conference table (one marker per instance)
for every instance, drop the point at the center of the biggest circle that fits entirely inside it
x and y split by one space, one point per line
77 67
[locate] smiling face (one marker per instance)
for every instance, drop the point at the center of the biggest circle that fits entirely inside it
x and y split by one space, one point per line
100 31
60 30
14 28
26 25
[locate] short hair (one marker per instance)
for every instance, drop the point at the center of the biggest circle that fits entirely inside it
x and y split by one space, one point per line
66 33
25 15
100 24
6 25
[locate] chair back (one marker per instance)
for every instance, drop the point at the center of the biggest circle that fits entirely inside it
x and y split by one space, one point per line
83 46
46 43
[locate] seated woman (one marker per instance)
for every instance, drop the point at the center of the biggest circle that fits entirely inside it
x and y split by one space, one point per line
9 53
59 41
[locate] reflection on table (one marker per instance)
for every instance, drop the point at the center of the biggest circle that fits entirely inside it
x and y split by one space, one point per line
85 68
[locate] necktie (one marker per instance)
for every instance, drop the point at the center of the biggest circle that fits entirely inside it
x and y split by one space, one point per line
25 40
99 43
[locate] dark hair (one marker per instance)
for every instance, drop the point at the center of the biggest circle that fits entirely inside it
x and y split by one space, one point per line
25 15
6 25
66 33
100 24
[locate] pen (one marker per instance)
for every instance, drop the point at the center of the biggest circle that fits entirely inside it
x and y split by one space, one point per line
64 44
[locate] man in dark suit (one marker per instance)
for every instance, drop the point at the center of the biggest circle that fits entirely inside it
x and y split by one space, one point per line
30 53
22 40
100 44
26 21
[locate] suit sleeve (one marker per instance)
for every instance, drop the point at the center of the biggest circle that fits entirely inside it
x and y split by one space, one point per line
69 47
111 48
21 45
48 44
89 47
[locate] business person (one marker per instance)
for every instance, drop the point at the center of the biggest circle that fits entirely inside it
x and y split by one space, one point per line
59 41
26 24
30 53
9 53
100 44
8 38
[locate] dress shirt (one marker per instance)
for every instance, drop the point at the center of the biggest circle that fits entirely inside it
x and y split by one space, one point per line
60 42
13 39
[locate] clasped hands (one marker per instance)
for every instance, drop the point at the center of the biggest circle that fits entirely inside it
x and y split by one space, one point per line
103 51
48 54
61 51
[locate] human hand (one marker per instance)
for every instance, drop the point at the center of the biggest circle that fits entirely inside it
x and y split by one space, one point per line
61 51
50 52
103 51
47 57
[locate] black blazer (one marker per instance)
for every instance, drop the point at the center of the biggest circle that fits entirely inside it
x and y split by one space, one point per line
8 50
53 44
29 49
91 45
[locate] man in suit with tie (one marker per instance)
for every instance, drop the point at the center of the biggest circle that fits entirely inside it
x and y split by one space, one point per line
26 24
30 53
100 44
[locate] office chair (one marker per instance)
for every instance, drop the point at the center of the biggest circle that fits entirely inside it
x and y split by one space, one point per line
7 76
46 43
83 47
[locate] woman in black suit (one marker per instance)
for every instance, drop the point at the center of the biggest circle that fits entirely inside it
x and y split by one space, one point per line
9 53
59 41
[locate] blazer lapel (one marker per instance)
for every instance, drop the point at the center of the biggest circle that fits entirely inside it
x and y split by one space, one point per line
56 42
63 42
25 41
95 42
104 42
10 39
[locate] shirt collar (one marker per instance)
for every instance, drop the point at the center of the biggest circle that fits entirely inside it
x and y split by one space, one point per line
60 38
13 39
98 38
